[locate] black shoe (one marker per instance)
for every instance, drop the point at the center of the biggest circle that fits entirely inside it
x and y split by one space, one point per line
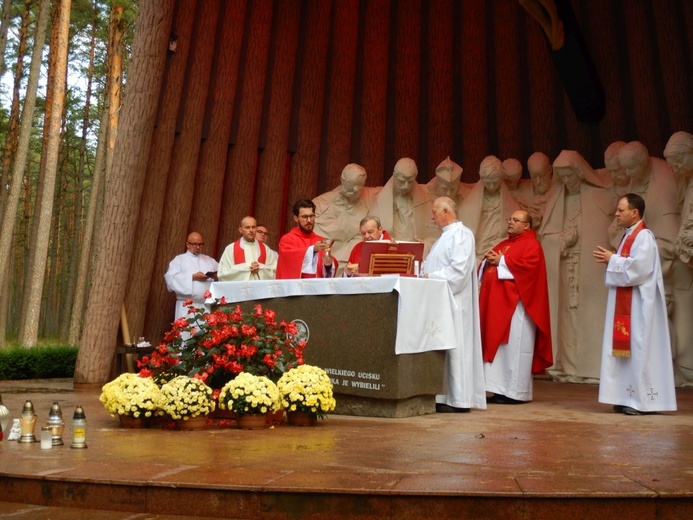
618 408
627 410
501 399
444 408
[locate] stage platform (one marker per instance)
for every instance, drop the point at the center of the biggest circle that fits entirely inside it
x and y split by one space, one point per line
562 456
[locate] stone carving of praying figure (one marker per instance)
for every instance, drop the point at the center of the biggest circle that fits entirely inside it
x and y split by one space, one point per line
404 207
541 175
576 220
679 155
338 212
520 189
488 206
447 183
617 177
653 179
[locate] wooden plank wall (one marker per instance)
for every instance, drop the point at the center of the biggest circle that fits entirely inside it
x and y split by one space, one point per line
290 91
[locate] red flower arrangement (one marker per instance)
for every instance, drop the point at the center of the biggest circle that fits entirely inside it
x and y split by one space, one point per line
216 346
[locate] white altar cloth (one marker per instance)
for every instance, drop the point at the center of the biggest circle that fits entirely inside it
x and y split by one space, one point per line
425 307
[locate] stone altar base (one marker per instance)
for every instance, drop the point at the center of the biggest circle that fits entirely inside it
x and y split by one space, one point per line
368 407
352 337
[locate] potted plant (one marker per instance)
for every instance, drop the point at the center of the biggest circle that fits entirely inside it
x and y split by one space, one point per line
188 401
250 397
224 342
306 393
132 398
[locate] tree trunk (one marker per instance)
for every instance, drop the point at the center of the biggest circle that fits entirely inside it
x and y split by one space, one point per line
154 194
180 184
9 219
29 333
13 125
89 224
77 238
4 25
30 263
116 30
125 183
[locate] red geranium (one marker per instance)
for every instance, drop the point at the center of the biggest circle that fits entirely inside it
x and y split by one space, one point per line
216 346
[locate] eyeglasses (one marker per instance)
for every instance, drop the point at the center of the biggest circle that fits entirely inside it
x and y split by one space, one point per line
307 217
196 244
517 220
266 233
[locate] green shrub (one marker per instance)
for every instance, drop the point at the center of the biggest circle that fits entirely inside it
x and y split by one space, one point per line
39 362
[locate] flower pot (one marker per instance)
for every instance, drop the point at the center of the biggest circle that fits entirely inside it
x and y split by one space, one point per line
252 421
275 418
198 422
228 415
298 418
128 421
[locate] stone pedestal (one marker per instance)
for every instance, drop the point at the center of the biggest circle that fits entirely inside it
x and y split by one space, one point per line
352 337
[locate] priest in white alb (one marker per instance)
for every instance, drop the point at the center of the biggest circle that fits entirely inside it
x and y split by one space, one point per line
453 258
637 374
247 258
190 274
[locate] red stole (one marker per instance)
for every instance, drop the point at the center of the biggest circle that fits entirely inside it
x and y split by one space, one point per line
239 253
624 298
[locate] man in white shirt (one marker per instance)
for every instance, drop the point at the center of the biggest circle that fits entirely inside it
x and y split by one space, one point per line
247 258
637 374
190 275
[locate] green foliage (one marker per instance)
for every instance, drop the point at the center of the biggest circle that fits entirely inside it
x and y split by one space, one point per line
40 362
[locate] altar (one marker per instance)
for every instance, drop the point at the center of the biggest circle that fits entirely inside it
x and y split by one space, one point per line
382 340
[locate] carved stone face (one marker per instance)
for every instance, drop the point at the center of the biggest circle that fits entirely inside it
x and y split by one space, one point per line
492 180
404 181
541 180
618 174
351 188
570 178
682 164
635 167
446 189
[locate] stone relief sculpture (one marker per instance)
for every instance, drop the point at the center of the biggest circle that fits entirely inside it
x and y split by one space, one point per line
617 177
653 179
488 206
575 221
404 206
446 182
541 176
520 189
338 212
679 155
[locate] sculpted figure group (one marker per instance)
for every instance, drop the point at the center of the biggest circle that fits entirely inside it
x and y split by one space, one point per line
567 204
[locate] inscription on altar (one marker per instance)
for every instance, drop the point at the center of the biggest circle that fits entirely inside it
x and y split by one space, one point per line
354 379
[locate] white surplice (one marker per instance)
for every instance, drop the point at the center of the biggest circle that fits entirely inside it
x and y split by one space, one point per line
229 271
452 258
645 380
179 279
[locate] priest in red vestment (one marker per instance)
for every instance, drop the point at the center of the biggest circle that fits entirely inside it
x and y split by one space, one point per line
370 229
302 253
514 313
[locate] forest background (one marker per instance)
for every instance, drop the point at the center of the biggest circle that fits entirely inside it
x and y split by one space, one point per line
61 65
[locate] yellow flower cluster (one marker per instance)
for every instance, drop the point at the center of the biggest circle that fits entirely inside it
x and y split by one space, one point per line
248 394
130 394
185 397
307 389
